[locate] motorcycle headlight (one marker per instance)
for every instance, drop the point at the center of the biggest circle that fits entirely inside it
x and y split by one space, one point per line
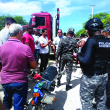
48 98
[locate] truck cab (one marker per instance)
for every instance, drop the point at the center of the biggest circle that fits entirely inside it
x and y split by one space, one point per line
40 21
45 20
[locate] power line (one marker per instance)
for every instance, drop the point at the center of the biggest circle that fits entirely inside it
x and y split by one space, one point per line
92 9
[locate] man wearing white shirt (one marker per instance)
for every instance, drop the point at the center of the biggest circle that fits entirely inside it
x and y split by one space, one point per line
37 50
44 49
57 40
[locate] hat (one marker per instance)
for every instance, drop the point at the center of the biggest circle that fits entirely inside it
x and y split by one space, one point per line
82 35
107 29
71 30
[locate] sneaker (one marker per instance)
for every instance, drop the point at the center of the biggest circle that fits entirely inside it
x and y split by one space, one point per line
68 87
94 105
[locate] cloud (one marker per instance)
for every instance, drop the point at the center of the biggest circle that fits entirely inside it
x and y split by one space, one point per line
65 6
20 8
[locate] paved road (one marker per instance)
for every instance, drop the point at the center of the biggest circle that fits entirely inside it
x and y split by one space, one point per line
69 100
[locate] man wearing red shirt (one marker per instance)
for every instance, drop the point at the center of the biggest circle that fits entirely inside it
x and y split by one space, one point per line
28 39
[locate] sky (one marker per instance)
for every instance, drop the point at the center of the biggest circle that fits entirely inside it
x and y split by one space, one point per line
73 13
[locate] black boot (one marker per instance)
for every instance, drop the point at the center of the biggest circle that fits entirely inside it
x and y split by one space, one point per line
108 103
94 105
58 83
68 87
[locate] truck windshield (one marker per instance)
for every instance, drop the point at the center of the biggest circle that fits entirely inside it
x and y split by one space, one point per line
40 21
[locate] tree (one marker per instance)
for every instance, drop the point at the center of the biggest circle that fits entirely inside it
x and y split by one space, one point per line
100 16
104 17
19 20
106 21
81 31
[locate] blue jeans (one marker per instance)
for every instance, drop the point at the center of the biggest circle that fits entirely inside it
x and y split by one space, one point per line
19 93
36 55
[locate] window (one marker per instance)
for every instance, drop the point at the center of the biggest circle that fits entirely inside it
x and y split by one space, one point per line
40 21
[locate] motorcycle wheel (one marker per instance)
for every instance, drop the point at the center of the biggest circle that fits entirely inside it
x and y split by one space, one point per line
39 107
34 108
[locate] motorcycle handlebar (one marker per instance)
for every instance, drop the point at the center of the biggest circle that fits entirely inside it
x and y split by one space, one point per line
33 74
28 71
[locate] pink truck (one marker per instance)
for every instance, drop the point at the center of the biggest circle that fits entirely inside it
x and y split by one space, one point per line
45 20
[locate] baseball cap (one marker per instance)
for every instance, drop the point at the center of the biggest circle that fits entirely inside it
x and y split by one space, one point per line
71 30
82 35
107 29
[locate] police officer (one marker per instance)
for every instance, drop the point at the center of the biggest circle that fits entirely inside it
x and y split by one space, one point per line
94 58
106 32
65 50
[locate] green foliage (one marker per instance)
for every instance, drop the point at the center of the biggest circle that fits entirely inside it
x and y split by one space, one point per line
82 31
19 20
106 21
104 17
100 16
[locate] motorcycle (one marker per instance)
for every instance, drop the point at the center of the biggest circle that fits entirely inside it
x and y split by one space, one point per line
42 95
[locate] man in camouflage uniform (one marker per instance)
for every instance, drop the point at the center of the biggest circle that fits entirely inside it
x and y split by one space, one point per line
65 50
106 32
94 58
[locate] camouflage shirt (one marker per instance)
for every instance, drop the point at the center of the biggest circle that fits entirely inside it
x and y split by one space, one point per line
66 46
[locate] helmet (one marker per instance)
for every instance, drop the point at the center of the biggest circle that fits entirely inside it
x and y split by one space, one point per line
94 24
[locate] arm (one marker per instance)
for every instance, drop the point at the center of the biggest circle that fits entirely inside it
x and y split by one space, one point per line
27 44
30 57
87 57
44 45
33 65
25 40
54 49
82 43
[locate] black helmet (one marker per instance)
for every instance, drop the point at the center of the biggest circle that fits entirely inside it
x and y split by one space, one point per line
94 24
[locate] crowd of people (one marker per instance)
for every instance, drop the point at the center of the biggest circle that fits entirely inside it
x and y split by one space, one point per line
21 47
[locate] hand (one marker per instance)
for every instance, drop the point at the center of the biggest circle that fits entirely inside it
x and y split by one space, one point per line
49 41
37 41
77 46
55 61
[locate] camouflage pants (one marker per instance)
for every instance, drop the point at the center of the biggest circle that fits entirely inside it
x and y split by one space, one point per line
108 87
93 87
68 60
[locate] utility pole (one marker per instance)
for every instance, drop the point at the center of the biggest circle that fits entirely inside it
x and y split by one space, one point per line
92 9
